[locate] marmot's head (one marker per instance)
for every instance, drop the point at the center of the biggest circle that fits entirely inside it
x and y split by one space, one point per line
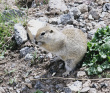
47 35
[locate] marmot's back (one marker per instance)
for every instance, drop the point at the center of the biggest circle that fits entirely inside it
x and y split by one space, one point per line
76 42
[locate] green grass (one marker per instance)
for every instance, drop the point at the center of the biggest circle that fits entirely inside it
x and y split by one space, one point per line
7 31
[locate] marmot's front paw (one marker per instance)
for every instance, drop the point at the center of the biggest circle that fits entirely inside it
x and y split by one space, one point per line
66 73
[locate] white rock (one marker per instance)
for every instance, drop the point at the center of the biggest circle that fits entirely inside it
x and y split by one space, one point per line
20 34
90 17
57 5
75 86
83 8
81 73
55 20
33 26
2 90
87 83
78 1
49 55
85 89
91 33
92 90
27 80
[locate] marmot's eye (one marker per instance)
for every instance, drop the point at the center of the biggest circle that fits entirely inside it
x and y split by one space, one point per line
43 33
51 31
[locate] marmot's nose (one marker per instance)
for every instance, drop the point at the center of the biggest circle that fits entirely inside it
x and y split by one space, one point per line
36 42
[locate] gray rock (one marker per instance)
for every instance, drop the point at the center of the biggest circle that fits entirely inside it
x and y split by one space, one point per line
20 34
8 15
26 50
75 12
85 89
75 86
67 90
92 90
39 85
66 19
106 7
57 5
91 33
95 14
83 8
28 57
81 73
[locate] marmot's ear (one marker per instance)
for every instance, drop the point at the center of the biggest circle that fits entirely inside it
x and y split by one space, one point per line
51 31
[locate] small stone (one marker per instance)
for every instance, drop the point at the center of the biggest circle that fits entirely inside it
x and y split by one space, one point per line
81 73
78 1
75 12
95 14
91 33
85 89
83 8
36 77
39 85
90 17
75 86
28 57
2 90
67 90
87 83
104 85
66 19
29 85
27 80
55 20
26 50
57 5
20 34
106 7
92 90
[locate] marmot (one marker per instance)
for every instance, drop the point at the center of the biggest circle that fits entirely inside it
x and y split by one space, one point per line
70 44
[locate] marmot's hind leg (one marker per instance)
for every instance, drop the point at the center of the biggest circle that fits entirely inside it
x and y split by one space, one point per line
70 64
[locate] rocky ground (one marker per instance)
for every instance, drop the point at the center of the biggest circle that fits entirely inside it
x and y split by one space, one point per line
27 68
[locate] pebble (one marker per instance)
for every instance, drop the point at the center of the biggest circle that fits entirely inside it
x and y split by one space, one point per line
95 14
57 5
83 8
92 90
75 86
81 73
85 89
87 83
67 90
106 7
